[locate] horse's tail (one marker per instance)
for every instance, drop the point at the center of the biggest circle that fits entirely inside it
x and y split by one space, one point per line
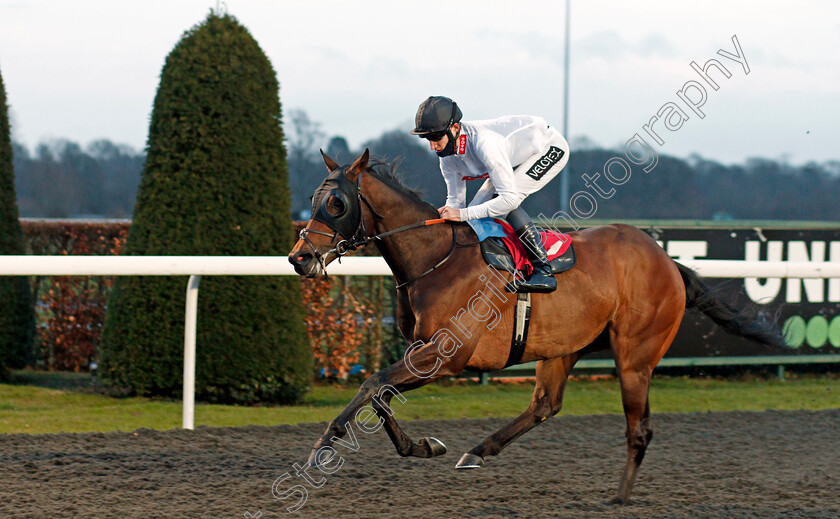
747 321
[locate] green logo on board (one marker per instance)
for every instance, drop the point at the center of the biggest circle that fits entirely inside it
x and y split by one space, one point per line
816 332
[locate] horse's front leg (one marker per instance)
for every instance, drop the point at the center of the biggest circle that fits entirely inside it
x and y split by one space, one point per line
424 363
552 375
426 447
338 427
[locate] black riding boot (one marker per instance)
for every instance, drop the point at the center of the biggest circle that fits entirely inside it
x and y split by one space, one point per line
541 280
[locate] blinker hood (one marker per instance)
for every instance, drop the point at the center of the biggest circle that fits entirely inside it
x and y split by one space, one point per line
347 219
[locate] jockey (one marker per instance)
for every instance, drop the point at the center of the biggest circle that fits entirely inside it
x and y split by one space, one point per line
517 155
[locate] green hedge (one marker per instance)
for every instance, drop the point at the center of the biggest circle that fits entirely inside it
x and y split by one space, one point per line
215 182
17 316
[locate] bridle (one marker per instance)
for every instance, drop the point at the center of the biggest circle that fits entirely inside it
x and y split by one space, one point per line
348 221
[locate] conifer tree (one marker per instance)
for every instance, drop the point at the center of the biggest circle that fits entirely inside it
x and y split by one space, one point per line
17 314
215 183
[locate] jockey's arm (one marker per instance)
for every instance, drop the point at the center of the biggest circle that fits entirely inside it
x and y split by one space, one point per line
492 154
456 187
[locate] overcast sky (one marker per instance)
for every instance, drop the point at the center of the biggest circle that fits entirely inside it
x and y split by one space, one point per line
89 69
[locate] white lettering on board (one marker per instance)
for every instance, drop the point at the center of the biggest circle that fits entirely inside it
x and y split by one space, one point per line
763 293
814 288
687 250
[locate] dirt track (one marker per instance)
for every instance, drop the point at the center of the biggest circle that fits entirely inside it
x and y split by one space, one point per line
761 465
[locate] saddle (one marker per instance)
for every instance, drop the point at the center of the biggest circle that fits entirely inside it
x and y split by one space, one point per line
496 252
508 254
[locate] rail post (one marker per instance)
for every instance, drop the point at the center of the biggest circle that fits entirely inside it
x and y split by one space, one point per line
189 352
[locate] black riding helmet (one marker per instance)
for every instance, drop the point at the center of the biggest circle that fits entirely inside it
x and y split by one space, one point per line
435 115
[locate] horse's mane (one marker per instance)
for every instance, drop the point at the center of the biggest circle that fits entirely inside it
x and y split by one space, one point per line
387 173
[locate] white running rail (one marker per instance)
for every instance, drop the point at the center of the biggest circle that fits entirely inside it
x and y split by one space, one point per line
197 266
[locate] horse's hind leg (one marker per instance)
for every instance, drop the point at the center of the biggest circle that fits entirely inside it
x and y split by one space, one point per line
552 375
635 386
635 358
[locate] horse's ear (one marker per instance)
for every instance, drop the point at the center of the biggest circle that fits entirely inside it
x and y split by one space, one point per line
331 164
360 165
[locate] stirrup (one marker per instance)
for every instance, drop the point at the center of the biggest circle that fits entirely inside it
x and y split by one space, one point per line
541 279
537 284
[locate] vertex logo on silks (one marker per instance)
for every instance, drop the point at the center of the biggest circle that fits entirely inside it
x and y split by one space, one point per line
462 144
545 162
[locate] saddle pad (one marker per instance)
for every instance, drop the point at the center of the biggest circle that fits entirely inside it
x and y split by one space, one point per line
497 254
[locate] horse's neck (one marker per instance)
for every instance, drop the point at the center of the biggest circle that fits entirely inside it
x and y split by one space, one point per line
408 252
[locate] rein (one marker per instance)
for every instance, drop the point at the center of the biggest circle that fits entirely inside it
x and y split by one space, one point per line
360 238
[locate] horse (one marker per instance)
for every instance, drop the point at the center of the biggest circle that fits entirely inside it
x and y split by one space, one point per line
624 294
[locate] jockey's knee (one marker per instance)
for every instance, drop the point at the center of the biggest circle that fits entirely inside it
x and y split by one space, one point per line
518 218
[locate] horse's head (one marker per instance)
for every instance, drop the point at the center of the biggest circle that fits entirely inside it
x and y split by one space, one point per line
336 221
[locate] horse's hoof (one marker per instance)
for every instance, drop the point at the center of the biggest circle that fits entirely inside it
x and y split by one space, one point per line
436 447
314 462
470 461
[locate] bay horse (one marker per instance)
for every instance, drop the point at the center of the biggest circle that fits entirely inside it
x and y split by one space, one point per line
624 294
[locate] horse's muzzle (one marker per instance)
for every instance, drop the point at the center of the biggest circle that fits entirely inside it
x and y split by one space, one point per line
305 263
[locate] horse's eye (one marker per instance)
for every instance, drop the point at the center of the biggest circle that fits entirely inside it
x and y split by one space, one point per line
335 206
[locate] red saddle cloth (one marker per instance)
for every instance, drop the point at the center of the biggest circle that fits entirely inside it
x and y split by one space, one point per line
555 243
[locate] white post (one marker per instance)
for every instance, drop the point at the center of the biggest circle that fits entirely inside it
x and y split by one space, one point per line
564 176
189 352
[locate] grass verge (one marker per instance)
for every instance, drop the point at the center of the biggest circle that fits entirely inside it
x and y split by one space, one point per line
57 404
